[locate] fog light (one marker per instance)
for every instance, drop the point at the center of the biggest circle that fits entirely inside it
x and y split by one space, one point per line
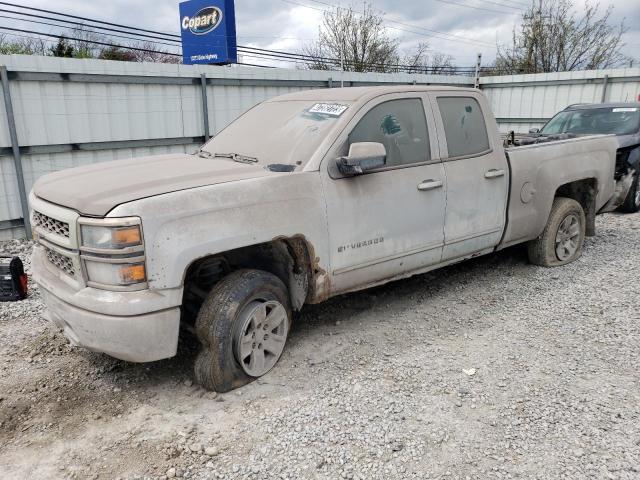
116 274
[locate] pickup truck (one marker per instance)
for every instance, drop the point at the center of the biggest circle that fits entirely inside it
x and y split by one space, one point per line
305 196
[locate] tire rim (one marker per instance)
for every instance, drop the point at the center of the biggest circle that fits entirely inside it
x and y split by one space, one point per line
637 197
567 237
261 336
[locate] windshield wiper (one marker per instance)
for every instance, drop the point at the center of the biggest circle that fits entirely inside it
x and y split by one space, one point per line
236 157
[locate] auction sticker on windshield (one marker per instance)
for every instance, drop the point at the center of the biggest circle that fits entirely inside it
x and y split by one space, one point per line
334 109
624 109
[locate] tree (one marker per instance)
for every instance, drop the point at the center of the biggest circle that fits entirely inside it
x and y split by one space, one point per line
62 49
358 42
554 38
22 46
117 53
353 42
420 61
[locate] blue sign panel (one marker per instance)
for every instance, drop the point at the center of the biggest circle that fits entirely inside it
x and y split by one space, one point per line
208 31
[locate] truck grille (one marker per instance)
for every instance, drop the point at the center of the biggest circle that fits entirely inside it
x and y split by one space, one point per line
62 262
51 225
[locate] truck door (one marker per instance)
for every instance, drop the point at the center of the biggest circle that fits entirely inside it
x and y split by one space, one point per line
477 174
388 221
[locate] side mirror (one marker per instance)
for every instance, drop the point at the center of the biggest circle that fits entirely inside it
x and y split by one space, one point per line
363 157
534 130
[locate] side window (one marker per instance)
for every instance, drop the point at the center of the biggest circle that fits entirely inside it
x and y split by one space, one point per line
401 126
464 126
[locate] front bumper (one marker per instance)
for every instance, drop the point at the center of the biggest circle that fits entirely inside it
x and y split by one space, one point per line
148 333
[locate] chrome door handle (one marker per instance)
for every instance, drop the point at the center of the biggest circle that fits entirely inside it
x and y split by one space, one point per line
493 173
429 185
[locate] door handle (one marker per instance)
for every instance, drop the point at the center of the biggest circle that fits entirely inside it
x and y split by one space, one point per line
429 185
493 173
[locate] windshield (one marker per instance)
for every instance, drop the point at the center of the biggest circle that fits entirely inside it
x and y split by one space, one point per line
286 132
616 120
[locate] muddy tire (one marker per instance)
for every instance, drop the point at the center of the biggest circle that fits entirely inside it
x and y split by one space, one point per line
632 202
562 239
242 327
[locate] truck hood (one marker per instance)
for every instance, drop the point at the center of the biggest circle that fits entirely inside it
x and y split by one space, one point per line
97 189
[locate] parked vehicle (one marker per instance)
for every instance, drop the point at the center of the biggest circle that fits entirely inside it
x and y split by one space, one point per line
305 196
620 119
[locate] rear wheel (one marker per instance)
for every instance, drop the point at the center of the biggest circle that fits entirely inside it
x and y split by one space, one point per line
242 327
632 202
562 239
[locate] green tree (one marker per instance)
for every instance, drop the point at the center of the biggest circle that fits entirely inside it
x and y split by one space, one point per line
62 49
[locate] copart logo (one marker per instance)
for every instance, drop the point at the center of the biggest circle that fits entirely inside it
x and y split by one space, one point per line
204 21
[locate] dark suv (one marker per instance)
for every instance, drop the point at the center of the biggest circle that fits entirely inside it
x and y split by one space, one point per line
620 119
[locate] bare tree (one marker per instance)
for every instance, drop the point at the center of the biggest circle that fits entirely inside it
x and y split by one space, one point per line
353 41
357 41
149 52
554 38
421 61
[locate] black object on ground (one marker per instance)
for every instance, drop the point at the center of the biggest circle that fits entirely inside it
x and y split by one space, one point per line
13 280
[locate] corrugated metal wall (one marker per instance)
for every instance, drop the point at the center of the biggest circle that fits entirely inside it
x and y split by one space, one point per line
521 102
55 114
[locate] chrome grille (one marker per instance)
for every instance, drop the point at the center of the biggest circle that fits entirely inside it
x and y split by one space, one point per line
63 262
51 225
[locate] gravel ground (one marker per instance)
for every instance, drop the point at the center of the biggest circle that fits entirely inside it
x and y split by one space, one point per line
488 369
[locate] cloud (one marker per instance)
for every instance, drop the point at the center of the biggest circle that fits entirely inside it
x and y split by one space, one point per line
461 28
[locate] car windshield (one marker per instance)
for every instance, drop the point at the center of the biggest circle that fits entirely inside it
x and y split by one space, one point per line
287 132
611 120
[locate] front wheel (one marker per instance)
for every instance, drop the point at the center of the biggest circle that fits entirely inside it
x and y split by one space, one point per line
632 202
242 327
562 239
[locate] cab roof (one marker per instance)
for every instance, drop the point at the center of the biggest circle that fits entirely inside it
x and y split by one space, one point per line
353 94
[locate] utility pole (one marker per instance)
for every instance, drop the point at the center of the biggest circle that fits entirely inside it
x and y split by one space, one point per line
478 63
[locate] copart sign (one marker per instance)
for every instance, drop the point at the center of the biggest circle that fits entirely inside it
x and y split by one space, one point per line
208 32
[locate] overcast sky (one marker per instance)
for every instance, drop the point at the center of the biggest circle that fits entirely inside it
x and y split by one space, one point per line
461 28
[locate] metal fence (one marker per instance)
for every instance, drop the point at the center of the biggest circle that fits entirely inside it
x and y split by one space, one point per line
61 113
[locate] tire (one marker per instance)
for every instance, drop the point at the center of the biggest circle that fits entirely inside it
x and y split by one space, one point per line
544 250
238 301
632 202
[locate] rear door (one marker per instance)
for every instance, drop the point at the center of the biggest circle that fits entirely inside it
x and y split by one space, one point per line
477 174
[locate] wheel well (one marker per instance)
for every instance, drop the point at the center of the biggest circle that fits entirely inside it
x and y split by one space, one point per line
584 192
289 258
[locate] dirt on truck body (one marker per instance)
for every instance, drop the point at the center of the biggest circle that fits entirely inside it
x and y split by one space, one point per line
381 183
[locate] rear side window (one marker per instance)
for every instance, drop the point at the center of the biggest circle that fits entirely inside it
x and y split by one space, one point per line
401 126
464 126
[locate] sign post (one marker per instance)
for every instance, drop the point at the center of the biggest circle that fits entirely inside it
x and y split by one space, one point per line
208 30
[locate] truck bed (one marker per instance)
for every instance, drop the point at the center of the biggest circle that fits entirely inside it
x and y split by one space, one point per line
537 170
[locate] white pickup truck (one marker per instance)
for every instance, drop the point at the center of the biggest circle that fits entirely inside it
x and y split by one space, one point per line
305 196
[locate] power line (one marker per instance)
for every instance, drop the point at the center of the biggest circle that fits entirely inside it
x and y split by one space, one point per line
432 35
88 19
79 24
95 42
458 37
435 33
84 30
503 5
265 53
475 8
150 51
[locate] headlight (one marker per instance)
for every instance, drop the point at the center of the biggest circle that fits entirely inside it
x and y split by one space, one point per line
110 238
112 253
